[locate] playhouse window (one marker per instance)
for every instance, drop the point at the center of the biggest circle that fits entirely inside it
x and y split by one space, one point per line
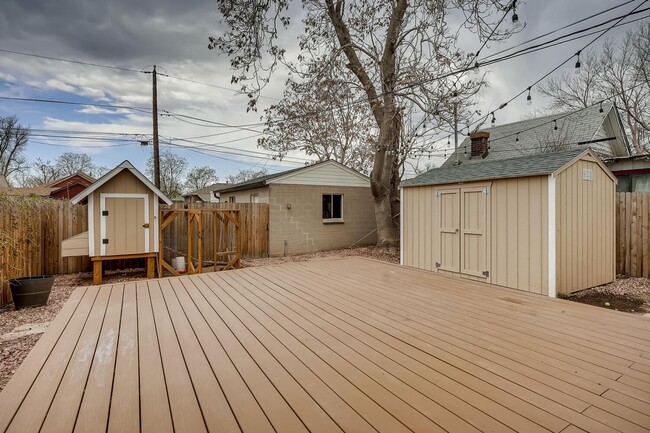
332 207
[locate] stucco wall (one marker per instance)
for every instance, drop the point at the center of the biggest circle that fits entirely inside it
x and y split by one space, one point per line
302 226
244 196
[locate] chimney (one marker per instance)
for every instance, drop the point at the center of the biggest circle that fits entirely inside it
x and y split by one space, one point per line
479 141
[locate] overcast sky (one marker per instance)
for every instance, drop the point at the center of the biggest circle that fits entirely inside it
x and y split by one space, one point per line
174 35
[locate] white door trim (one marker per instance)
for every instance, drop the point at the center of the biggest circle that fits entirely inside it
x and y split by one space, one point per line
156 215
552 272
102 199
91 225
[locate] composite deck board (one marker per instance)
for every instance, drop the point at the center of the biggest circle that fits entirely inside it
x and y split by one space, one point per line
347 345
570 375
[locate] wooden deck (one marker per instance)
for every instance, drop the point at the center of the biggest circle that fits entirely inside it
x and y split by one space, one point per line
348 345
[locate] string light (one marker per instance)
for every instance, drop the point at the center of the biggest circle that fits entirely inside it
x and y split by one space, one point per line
517 139
555 125
529 99
494 120
601 107
448 140
577 68
515 17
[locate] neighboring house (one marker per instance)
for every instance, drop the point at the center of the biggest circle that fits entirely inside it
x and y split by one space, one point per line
65 188
632 172
601 131
543 223
318 207
70 186
208 194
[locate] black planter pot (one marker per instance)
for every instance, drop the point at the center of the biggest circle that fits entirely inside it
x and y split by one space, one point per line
31 291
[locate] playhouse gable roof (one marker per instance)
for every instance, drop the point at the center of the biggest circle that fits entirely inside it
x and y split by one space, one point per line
126 165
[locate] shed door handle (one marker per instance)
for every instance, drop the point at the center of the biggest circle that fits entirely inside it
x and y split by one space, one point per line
145 225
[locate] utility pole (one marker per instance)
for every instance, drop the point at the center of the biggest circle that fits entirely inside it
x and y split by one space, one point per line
456 129
156 151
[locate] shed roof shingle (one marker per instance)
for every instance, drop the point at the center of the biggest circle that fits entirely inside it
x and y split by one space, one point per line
536 165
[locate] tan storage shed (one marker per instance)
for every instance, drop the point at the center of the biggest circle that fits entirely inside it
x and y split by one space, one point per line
542 223
123 219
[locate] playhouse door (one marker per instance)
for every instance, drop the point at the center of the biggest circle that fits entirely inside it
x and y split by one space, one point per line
473 232
448 206
125 223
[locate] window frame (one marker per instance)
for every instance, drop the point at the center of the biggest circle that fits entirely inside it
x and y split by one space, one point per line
333 220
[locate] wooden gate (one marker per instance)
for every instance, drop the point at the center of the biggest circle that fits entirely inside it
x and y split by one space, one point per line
226 239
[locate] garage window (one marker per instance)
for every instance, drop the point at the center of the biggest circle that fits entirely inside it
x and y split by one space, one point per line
332 208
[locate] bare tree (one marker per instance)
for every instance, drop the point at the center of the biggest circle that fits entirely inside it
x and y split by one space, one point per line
245 174
617 73
200 177
172 169
40 172
397 52
320 118
69 163
13 140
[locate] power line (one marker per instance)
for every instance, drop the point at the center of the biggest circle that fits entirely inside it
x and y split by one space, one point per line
90 104
561 28
210 85
78 62
505 104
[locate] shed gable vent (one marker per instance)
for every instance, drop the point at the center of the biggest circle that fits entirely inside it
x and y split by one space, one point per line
587 174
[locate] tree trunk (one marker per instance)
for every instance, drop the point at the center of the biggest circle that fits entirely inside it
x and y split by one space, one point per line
381 179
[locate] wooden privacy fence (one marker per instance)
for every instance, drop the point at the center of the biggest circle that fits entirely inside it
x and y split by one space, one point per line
31 232
33 228
633 234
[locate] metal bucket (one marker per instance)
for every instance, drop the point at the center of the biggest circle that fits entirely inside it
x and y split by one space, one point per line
31 291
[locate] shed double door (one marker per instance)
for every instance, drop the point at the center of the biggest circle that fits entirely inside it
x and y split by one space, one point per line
462 231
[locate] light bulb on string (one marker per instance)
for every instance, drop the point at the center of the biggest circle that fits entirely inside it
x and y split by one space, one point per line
529 98
448 140
515 17
555 125
494 120
517 139
601 107
577 68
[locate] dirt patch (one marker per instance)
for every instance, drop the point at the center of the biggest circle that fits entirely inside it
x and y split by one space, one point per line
13 352
631 295
386 254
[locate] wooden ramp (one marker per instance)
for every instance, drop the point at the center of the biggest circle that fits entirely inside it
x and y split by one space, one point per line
350 345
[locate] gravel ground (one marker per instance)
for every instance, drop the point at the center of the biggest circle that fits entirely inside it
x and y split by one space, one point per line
628 294
13 352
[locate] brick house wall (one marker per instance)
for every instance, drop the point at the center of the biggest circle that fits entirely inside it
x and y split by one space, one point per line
302 226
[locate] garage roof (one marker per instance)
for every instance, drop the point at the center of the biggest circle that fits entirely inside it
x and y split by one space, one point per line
523 166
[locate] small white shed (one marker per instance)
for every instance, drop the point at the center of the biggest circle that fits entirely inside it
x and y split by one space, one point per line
543 223
123 219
